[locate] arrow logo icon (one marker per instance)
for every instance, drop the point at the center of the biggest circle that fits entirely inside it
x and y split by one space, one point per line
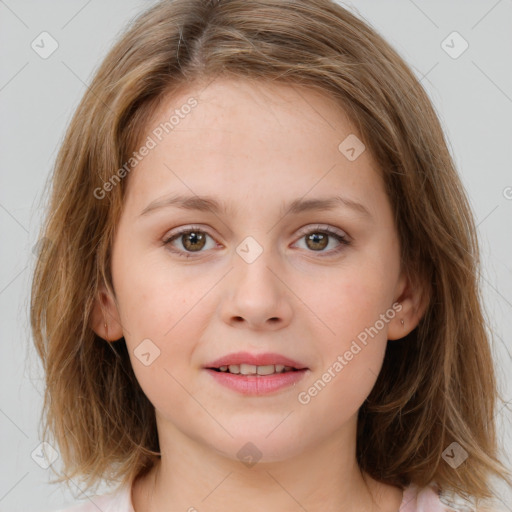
454 455
454 45
351 147
249 249
249 454
146 352
44 45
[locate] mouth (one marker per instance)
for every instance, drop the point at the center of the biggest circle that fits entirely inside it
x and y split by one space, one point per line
256 374
245 363
251 369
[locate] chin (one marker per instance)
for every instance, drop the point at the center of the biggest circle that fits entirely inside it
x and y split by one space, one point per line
255 446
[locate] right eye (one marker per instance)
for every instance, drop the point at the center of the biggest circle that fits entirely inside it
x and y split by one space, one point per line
191 239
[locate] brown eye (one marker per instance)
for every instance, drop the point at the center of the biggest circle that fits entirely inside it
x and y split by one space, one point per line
317 241
193 241
318 238
188 241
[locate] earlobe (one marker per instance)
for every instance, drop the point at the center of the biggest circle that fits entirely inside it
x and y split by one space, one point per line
398 328
105 319
413 300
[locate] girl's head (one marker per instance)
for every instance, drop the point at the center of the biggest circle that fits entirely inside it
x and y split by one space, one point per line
262 177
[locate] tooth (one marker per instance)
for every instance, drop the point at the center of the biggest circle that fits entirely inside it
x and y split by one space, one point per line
234 368
266 370
223 368
279 368
247 369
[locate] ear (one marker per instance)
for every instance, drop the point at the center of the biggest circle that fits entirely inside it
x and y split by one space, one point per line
413 298
105 320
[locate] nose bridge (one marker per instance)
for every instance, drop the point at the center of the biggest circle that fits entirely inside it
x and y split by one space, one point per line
255 282
256 295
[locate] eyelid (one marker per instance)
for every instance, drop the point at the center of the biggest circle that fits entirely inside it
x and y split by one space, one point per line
341 236
185 229
322 227
302 231
182 230
175 234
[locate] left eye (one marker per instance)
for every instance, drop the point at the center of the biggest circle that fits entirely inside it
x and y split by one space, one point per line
193 240
317 239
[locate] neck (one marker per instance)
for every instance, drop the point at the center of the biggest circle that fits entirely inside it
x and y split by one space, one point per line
194 478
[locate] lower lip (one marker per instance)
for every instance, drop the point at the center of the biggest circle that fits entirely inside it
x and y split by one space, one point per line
257 384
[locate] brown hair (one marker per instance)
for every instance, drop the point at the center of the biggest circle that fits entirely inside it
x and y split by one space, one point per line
436 386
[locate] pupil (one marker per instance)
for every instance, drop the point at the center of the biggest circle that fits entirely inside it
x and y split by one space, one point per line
318 238
192 239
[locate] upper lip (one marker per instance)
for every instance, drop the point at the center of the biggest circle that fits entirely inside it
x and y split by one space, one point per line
267 358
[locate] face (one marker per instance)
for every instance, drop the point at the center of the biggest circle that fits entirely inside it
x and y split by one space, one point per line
234 268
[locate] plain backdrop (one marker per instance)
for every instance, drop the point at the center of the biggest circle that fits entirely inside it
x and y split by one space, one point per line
472 94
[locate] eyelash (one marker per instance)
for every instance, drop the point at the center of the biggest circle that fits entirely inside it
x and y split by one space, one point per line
342 239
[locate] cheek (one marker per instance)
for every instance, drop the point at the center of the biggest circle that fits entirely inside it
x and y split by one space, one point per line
358 310
350 362
338 394
156 297
155 307
159 341
350 302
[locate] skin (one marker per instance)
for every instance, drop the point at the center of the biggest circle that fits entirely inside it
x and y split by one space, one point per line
256 146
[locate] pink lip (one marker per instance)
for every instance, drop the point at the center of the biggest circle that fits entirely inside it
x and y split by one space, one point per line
257 384
255 359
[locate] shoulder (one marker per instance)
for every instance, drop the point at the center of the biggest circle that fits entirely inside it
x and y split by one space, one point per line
117 501
432 499
423 499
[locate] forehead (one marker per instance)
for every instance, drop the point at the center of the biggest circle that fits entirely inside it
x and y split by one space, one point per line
248 138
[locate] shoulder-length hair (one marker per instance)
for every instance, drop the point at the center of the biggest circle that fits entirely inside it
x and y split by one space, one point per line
437 385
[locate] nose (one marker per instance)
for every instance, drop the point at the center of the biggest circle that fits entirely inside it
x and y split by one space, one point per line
256 295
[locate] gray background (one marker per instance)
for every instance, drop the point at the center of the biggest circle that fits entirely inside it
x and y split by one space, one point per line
472 94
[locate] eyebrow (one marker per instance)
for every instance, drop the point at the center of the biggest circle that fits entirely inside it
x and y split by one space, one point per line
210 204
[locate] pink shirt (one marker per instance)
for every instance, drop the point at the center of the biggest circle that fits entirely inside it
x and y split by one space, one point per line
414 500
